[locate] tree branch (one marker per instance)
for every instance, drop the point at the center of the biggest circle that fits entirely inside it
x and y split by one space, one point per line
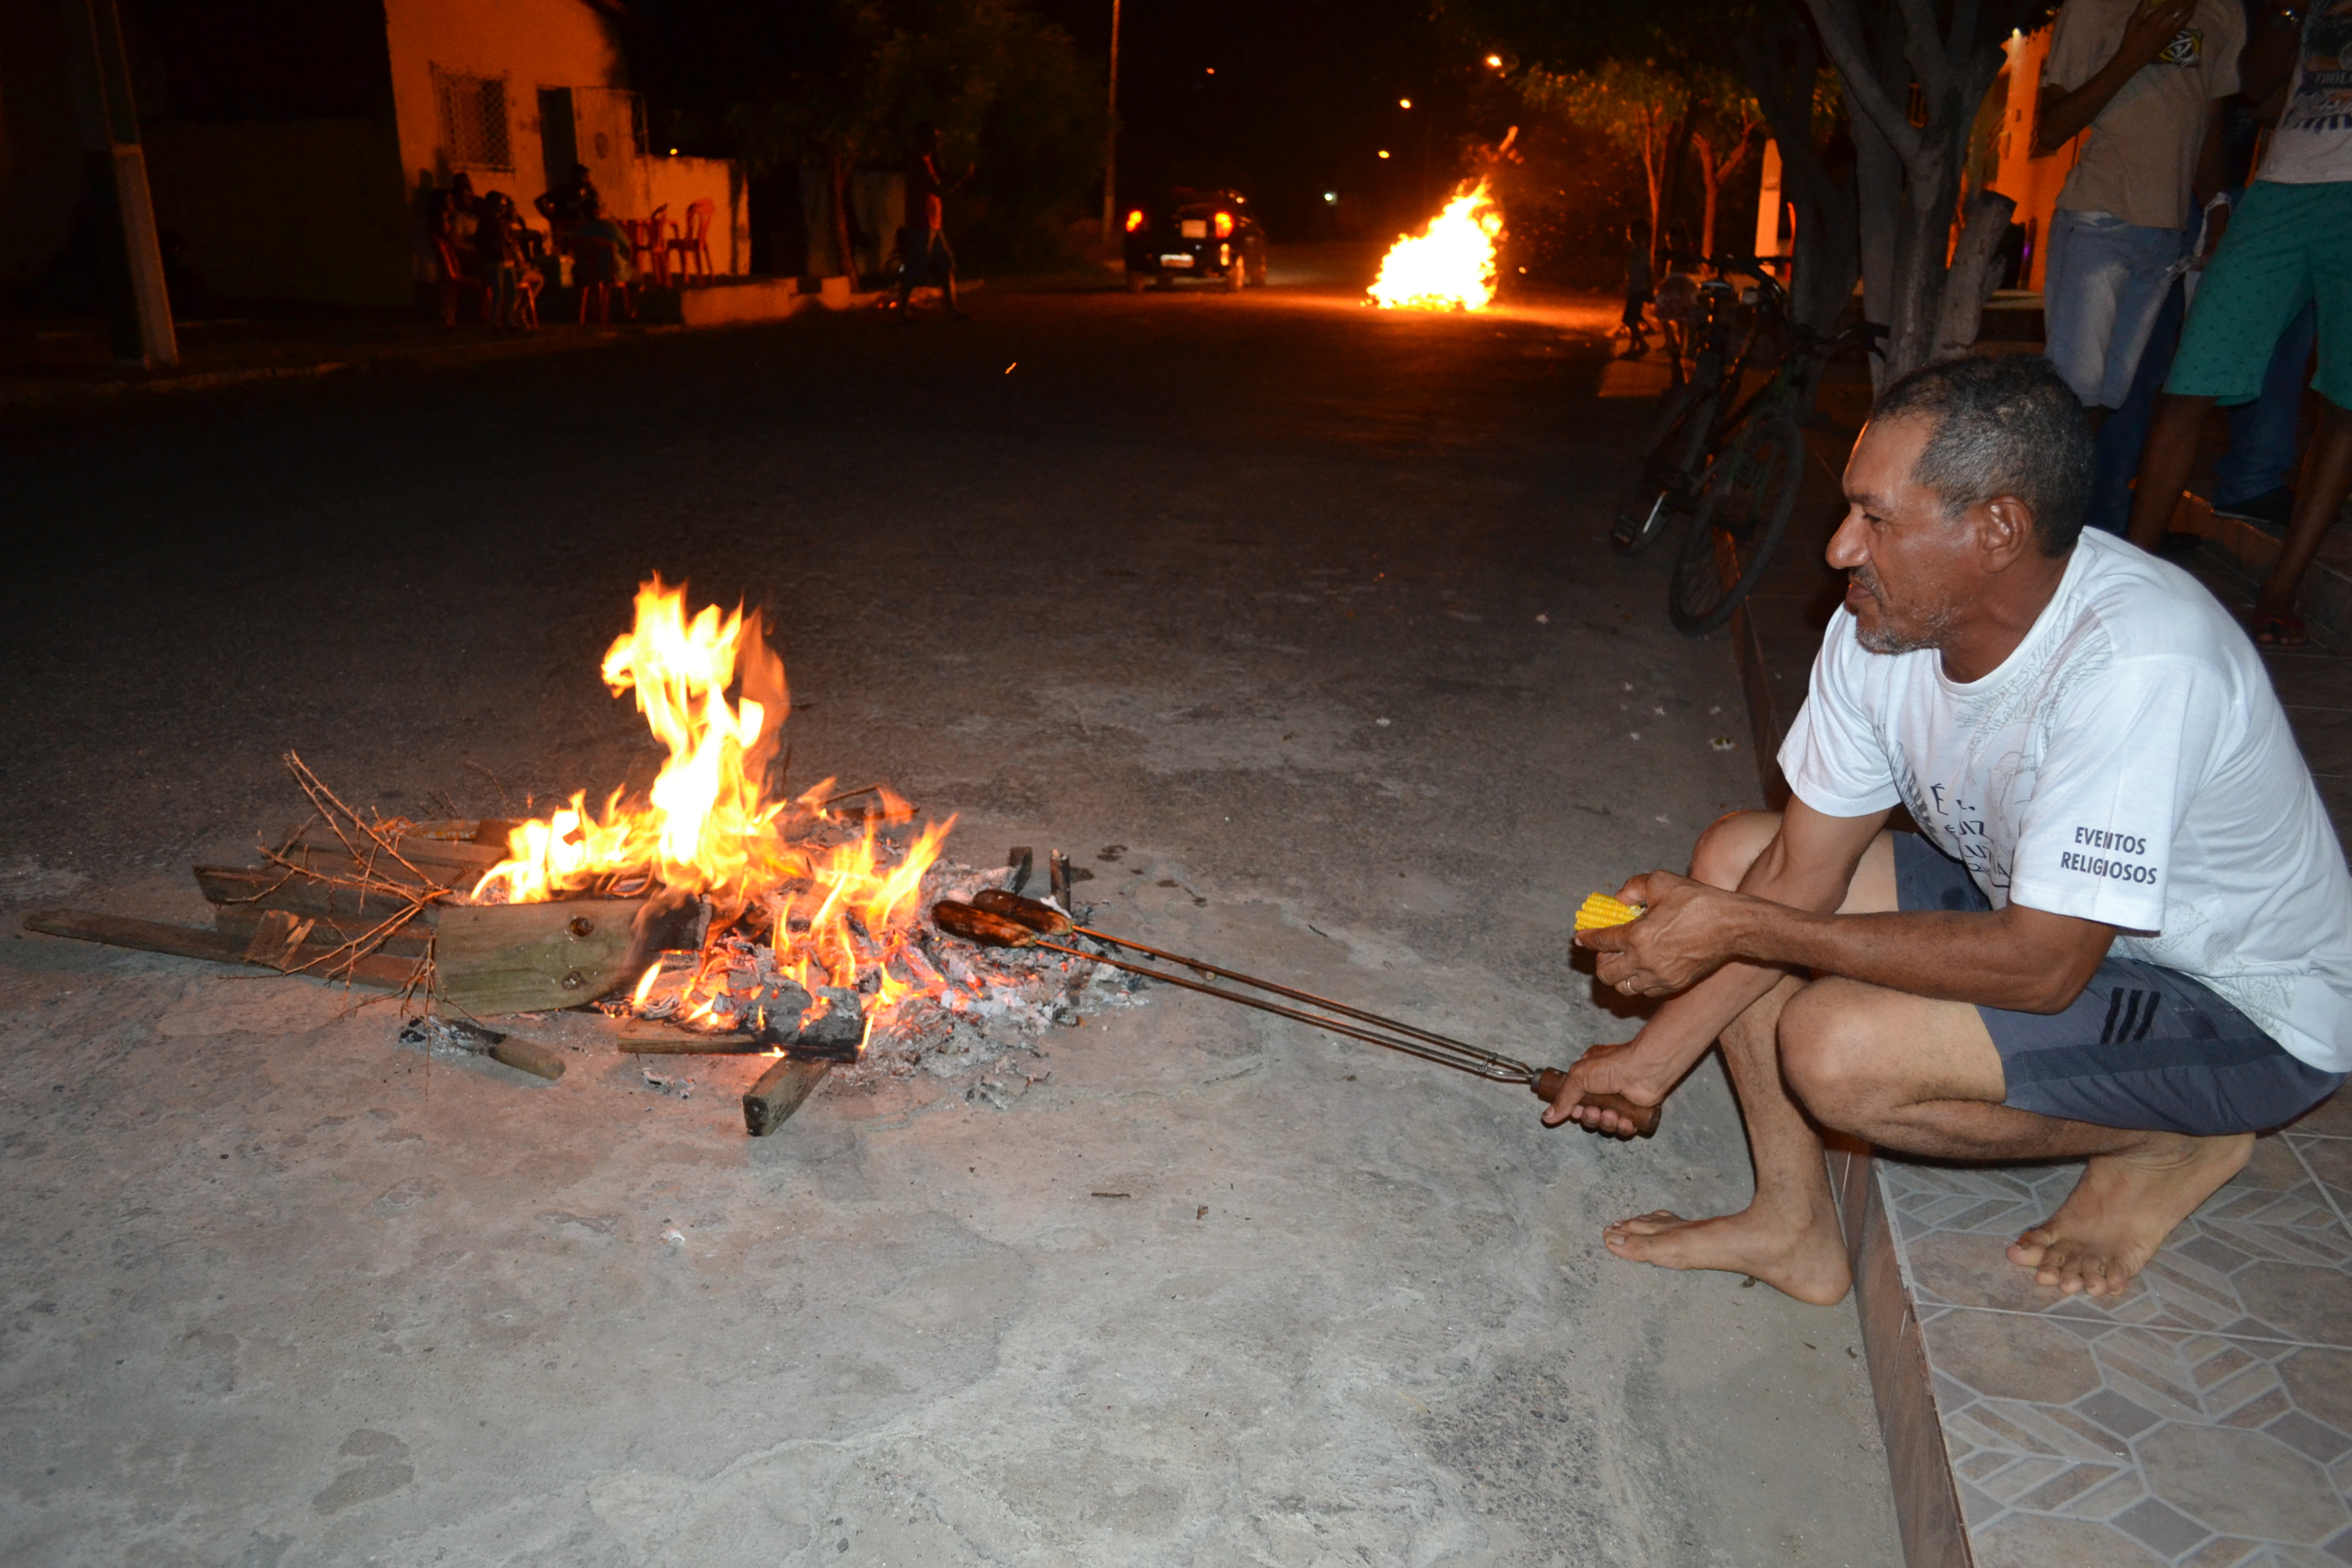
1960 43
1841 39
1923 47
1789 123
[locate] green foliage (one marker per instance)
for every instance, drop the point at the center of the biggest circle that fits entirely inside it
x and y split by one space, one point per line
1633 103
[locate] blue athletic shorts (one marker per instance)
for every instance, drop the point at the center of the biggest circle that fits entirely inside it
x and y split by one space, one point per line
2142 1047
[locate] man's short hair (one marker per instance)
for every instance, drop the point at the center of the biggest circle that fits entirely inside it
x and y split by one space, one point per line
2006 425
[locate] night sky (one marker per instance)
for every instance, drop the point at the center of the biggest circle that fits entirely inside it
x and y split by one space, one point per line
1287 102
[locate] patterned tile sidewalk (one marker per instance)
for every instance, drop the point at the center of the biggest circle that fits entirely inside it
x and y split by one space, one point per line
2203 1419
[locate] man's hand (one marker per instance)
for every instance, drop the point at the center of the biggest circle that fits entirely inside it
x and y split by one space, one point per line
1685 935
2063 114
2151 28
1606 1069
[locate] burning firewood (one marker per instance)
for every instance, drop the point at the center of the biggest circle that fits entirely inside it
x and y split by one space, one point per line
769 1103
748 918
655 1037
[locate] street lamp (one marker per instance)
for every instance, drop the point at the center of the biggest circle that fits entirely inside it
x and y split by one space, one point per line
1110 134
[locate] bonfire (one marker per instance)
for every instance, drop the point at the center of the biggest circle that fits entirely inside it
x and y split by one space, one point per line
1449 264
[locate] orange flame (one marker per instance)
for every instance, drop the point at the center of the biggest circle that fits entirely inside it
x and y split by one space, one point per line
1449 264
708 826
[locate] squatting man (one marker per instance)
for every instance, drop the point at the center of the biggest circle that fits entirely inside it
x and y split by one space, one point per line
2122 931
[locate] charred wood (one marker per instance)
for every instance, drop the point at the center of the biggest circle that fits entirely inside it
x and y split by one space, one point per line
770 1102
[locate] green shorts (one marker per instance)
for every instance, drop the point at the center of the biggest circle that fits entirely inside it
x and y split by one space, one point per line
2286 246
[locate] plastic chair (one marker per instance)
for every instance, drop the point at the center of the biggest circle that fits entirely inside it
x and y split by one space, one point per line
649 246
692 248
595 253
456 283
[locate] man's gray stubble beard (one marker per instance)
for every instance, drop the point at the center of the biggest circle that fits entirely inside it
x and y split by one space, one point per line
1929 635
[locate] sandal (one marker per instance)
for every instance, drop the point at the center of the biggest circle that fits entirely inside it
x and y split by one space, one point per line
2284 629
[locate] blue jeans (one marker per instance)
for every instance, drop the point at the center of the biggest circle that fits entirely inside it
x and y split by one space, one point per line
2116 450
2102 288
2261 458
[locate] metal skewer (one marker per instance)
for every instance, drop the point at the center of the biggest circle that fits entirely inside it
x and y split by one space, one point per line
1042 918
998 918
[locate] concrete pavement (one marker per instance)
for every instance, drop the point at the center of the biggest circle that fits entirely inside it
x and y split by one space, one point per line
1302 608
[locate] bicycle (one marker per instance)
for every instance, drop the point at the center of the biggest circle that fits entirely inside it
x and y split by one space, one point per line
1695 417
1751 483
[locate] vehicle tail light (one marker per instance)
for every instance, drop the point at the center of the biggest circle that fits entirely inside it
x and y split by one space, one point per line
1135 220
1225 226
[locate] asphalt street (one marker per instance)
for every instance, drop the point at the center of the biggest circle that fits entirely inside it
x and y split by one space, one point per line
1290 620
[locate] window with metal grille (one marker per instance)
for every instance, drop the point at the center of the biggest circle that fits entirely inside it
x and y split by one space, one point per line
474 120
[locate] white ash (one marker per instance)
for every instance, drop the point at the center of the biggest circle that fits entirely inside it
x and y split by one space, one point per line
997 1001
1001 1000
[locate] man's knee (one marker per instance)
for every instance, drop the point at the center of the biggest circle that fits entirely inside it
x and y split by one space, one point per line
1730 845
1831 1057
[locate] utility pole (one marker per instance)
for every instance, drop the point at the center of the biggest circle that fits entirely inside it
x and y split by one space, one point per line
115 179
1110 139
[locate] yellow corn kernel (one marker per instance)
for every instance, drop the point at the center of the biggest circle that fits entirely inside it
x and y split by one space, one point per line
1600 910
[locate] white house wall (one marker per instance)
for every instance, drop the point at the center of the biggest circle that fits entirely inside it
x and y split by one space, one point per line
531 44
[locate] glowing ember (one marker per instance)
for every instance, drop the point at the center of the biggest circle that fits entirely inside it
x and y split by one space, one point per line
838 904
1449 266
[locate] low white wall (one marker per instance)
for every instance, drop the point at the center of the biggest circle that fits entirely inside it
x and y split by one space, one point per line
677 182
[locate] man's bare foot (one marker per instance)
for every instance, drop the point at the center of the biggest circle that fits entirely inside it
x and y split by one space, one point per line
1807 1261
2124 1207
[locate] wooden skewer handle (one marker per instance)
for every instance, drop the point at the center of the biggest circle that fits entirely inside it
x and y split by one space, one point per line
528 1056
1644 1118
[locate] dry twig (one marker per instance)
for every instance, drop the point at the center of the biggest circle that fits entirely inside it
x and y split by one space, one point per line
381 837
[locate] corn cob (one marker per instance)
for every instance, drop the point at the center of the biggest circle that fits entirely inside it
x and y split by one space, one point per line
1600 910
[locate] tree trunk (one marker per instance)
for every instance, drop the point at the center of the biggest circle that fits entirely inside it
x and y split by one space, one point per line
1922 232
1878 213
1971 280
1711 183
1714 176
1910 175
1782 64
1678 155
836 168
1650 174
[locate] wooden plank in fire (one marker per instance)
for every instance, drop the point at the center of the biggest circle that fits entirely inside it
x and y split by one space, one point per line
243 897
769 1103
384 973
659 1038
525 958
488 960
442 862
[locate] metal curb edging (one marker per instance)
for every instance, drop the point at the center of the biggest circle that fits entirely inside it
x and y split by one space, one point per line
1927 1501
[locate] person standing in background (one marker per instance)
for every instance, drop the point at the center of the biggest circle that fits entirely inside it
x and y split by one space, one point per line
2145 80
2289 247
923 243
564 207
1641 288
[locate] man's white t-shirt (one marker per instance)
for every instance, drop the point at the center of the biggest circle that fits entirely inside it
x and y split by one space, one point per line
2128 764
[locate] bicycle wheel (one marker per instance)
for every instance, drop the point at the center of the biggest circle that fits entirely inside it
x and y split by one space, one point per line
1742 510
1658 493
